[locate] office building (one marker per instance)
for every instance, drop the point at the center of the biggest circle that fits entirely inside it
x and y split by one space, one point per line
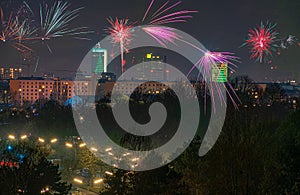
99 60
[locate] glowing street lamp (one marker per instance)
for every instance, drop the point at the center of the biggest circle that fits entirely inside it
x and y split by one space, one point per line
97 181
108 173
11 137
78 180
94 149
135 159
41 140
23 137
54 140
82 145
69 145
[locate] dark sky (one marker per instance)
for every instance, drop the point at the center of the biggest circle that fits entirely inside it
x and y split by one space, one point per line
220 25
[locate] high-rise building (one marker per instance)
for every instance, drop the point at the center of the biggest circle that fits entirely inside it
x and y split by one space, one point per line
99 60
220 73
10 73
153 71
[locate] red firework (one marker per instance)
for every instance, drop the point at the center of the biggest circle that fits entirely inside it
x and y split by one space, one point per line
262 41
121 33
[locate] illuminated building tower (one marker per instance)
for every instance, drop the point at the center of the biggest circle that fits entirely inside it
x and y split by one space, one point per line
99 60
220 73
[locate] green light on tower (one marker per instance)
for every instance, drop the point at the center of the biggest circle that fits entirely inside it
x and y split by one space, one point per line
99 60
99 66
220 73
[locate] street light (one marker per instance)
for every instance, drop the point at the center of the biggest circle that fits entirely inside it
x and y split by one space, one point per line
54 140
108 173
11 137
23 137
41 140
69 145
82 145
97 181
77 180
94 149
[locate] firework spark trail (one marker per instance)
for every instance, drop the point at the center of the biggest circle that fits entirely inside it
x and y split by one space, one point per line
146 13
209 60
173 17
262 42
288 41
121 34
162 35
22 28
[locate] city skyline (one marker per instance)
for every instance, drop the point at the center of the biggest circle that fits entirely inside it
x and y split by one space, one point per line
225 29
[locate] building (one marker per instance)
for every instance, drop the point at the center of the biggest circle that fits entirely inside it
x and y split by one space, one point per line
130 87
220 73
99 60
31 89
154 71
4 91
107 76
10 73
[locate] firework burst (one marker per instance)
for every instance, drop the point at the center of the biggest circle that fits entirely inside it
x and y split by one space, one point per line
262 42
121 34
13 32
209 62
54 22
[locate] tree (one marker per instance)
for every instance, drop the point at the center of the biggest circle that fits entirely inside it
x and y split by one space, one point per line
28 170
88 161
288 156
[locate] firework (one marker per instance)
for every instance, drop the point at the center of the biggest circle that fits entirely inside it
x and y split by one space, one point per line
209 62
262 42
121 34
165 15
162 35
13 32
288 41
205 65
55 21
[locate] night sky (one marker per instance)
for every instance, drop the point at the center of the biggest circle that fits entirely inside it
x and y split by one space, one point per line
220 25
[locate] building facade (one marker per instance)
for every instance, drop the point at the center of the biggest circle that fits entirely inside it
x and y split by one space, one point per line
31 89
99 60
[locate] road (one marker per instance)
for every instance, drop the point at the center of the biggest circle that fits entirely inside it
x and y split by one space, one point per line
84 192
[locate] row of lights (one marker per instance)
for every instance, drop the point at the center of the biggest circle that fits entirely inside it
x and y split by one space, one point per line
96 181
52 141
23 137
70 145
